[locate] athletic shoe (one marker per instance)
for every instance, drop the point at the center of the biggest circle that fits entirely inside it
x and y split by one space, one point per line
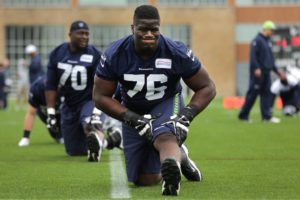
246 120
171 176
94 145
114 138
24 142
188 167
273 120
60 140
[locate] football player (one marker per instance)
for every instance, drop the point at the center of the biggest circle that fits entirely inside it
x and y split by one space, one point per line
37 106
148 67
72 67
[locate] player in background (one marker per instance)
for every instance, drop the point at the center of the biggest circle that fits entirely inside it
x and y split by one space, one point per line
35 65
37 106
72 67
262 62
148 67
22 84
4 86
289 91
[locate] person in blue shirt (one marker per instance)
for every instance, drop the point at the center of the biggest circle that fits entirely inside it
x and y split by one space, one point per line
261 64
147 67
71 69
35 65
37 106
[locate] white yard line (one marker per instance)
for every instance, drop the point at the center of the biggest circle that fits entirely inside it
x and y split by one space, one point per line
119 186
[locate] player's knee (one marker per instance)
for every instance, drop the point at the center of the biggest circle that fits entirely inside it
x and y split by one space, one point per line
163 139
148 179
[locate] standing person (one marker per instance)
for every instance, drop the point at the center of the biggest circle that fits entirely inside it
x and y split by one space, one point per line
72 66
22 85
35 65
261 64
148 67
37 106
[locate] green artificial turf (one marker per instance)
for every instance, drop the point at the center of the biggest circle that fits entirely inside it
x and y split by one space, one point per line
238 161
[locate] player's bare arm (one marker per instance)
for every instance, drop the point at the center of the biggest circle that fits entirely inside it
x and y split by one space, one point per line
51 96
203 87
102 95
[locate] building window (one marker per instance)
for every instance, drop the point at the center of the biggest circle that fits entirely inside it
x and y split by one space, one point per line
44 37
266 2
159 2
193 2
102 35
112 3
36 3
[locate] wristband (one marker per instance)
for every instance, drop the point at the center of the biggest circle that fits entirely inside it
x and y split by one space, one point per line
51 111
130 118
189 111
96 111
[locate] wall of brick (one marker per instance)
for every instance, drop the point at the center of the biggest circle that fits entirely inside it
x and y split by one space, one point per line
212 31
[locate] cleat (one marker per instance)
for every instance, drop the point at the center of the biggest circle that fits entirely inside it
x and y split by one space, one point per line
246 120
188 167
171 176
23 142
273 120
60 140
94 145
114 138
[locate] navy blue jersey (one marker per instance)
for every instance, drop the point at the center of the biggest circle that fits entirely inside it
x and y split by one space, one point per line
73 73
146 83
35 68
37 98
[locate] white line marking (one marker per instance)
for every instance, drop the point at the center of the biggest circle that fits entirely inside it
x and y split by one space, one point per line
119 186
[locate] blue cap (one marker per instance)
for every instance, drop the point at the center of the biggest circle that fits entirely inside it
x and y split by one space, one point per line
78 25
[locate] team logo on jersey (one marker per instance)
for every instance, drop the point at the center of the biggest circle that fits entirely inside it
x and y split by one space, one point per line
190 54
86 58
102 60
163 63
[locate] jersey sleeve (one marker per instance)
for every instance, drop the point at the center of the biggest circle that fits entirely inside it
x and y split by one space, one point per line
96 53
52 77
188 64
32 100
105 69
254 52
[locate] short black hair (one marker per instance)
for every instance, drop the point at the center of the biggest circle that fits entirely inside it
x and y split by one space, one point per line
146 12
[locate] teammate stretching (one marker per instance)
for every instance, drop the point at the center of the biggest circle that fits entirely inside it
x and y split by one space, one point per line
148 66
72 67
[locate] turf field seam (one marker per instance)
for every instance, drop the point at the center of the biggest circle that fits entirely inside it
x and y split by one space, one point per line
119 186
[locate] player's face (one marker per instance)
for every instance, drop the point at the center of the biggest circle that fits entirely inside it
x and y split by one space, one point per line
79 38
146 33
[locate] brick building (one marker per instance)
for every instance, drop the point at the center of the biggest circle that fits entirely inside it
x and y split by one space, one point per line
218 31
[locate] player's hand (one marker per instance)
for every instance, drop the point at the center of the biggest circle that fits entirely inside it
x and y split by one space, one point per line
181 127
181 122
52 123
257 72
94 122
144 127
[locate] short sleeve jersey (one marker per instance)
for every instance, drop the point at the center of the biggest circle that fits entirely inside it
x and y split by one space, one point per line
73 73
146 83
37 97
